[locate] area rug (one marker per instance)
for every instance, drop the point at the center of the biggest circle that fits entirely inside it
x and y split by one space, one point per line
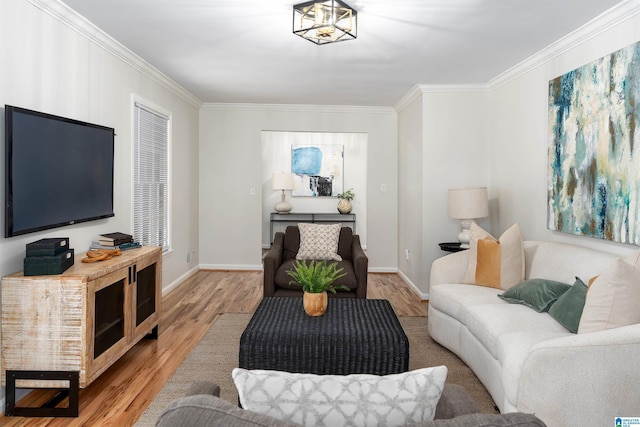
217 354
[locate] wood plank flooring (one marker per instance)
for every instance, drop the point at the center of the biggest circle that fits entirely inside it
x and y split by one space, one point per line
121 394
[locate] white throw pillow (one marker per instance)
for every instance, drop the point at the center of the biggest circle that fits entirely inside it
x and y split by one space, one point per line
319 241
613 299
337 400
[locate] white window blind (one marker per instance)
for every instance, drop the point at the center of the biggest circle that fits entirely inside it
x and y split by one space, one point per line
150 177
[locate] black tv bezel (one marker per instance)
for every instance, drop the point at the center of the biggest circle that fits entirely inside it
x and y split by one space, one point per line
8 186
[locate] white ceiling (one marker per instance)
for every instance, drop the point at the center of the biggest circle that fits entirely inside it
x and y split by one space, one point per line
244 51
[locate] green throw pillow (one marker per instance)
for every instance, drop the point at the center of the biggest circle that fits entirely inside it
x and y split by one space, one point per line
538 294
568 309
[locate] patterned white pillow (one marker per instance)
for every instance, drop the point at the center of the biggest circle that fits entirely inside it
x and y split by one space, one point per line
349 400
319 241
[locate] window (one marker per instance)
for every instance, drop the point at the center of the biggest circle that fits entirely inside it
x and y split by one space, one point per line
150 177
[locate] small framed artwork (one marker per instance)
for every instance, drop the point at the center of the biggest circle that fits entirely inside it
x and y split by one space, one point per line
317 169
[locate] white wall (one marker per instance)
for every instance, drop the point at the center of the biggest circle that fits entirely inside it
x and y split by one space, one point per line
231 165
519 121
493 135
442 144
410 191
456 155
55 62
276 157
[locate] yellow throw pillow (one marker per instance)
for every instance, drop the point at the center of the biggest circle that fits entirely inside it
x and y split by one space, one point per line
498 263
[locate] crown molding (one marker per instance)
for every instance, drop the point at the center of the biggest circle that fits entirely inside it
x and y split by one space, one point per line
300 108
422 89
600 24
70 18
414 93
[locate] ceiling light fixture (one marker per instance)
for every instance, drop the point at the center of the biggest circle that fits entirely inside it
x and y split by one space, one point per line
323 22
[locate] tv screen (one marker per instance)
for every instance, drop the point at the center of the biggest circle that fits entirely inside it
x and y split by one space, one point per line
58 171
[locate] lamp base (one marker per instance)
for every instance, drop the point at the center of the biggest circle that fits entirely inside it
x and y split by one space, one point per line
283 207
464 238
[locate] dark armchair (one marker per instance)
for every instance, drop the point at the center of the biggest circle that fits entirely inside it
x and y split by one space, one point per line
282 256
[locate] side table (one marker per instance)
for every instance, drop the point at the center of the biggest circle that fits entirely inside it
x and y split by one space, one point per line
451 247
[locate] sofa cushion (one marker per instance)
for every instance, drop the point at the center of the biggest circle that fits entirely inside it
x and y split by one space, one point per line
345 243
538 294
613 300
455 299
206 410
513 350
515 419
487 322
334 400
567 310
291 242
319 242
562 262
283 279
495 263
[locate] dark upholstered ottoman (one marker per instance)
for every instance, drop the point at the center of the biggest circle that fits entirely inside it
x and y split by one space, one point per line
354 336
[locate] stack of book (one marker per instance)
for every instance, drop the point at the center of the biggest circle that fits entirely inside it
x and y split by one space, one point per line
116 240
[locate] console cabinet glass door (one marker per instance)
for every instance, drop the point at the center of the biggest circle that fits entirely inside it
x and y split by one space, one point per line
109 317
108 299
145 296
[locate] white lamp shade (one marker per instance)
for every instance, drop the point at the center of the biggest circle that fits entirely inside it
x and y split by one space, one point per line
468 203
282 181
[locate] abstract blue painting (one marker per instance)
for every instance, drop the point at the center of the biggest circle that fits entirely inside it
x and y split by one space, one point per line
594 149
317 170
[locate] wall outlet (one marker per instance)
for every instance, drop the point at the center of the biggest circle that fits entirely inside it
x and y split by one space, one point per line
383 187
252 192
406 254
188 257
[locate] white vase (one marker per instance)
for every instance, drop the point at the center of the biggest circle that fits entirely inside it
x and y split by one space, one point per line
344 206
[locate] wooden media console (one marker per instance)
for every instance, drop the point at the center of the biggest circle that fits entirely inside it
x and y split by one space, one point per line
80 321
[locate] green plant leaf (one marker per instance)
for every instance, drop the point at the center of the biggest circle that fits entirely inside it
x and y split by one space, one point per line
316 276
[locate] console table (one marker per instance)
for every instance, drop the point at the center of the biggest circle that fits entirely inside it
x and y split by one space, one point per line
347 220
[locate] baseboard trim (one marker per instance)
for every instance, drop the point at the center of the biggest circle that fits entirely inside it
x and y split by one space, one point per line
382 270
424 296
250 267
232 267
176 283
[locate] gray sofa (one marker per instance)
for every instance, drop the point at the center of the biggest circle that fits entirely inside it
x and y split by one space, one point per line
203 408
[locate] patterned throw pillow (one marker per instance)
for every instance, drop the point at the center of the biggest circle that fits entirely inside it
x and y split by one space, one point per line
335 400
319 241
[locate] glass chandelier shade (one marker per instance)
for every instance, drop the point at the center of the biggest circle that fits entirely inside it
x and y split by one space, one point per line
323 22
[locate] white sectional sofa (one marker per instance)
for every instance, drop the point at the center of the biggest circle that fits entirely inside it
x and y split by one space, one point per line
529 362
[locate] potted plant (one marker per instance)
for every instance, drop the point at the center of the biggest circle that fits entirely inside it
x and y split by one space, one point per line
316 278
344 205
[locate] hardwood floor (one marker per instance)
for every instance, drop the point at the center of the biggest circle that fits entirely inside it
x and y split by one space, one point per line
121 394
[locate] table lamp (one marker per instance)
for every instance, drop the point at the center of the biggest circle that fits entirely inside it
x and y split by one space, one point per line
282 181
467 204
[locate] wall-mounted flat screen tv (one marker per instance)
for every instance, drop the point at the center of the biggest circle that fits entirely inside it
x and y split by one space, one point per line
58 171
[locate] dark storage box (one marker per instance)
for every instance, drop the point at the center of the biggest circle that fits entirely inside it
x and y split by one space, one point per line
48 247
43 265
